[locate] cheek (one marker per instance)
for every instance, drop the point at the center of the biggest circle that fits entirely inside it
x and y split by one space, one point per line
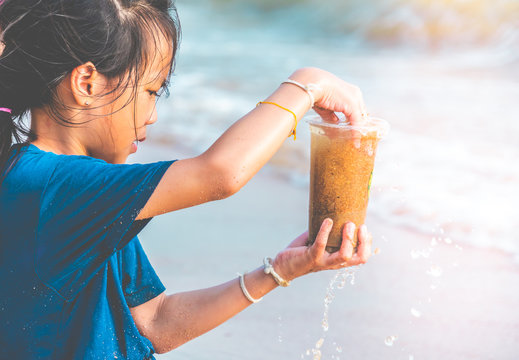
146 110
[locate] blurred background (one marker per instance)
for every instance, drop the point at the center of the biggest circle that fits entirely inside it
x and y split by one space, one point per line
443 73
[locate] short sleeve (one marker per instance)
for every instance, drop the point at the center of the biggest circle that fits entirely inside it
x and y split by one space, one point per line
140 282
87 213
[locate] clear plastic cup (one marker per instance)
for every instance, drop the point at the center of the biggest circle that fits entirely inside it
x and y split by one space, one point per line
340 174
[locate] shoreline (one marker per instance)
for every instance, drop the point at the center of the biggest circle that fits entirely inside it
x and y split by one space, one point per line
439 301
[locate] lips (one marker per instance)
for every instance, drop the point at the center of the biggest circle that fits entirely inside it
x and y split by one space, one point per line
140 139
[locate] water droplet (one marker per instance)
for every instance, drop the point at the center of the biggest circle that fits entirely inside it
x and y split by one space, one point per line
339 349
328 298
319 343
390 340
434 242
415 254
317 354
415 313
448 240
442 231
458 247
325 324
376 251
435 271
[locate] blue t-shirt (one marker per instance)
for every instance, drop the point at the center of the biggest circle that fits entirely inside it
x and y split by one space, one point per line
71 264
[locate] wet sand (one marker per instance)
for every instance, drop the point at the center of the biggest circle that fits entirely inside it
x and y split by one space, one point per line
440 300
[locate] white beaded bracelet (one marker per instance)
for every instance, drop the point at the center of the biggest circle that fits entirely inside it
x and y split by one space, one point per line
308 88
245 292
269 269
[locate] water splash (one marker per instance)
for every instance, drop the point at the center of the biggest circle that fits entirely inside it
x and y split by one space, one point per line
280 325
337 282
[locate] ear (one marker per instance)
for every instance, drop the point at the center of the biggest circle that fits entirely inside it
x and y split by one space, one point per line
85 83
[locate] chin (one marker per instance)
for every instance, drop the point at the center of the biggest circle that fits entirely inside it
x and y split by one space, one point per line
116 158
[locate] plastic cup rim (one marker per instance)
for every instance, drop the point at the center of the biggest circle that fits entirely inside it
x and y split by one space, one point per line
382 129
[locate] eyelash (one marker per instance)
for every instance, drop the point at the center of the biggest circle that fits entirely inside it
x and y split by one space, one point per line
163 90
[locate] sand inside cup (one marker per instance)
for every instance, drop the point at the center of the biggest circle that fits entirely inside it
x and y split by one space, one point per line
340 175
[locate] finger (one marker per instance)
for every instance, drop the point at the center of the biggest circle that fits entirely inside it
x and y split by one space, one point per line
326 115
345 253
317 249
364 249
301 240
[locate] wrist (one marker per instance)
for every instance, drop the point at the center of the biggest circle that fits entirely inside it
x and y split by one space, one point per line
310 75
281 267
268 269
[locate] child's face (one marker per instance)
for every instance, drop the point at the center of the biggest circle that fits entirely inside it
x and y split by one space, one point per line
118 132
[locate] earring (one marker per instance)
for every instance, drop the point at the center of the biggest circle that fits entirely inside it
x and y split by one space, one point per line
87 103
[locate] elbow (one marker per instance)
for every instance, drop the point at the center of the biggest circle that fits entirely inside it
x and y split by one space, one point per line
160 348
225 179
232 184
164 341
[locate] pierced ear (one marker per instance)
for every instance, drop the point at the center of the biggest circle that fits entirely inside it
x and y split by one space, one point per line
83 83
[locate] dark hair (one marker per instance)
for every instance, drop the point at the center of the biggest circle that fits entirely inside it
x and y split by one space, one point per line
44 40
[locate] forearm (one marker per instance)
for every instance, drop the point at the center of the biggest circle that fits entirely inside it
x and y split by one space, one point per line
185 316
250 142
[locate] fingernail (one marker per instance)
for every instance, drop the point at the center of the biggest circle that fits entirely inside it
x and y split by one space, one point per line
350 230
363 230
326 223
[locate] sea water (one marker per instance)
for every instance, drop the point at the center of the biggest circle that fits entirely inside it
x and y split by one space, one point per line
447 84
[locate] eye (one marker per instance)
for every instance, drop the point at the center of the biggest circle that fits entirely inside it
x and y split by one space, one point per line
153 93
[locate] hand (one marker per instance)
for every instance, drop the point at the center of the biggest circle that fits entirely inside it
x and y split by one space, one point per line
298 260
335 95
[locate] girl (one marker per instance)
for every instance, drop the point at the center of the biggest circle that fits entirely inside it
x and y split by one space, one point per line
75 282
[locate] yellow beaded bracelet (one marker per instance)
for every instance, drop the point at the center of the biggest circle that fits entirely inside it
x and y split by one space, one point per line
284 108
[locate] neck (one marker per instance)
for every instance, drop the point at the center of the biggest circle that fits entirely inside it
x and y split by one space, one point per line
55 137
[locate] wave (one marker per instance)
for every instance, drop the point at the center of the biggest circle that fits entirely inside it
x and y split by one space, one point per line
429 23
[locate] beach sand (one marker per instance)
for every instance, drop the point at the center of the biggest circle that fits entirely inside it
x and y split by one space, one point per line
438 300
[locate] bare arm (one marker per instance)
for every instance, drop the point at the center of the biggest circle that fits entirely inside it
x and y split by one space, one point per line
249 144
170 321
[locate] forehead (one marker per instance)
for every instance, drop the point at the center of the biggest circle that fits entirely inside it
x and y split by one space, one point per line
158 53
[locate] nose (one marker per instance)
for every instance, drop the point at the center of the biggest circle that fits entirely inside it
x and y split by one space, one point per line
153 117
